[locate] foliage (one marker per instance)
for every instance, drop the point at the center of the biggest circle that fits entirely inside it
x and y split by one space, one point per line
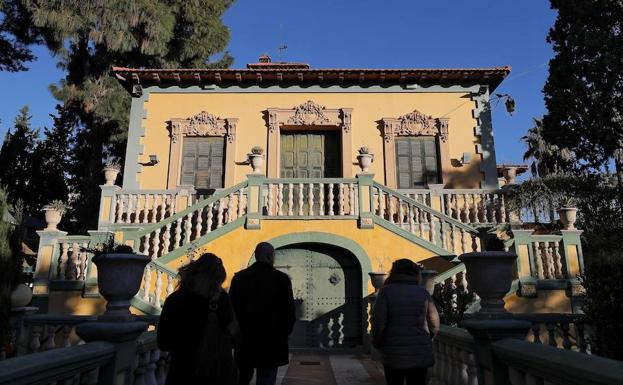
109 246
452 302
547 158
15 35
18 152
58 205
257 150
584 90
113 164
603 305
363 150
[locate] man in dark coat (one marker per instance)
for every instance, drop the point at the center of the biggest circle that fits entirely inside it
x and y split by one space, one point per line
264 306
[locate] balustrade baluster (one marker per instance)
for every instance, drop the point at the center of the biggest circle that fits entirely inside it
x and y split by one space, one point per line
290 199
158 288
35 343
341 199
170 284
64 257
119 208
330 199
390 209
128 216
452 239
166 239
420 216
155 242
466 209
83 261
280 200
549 256
199 223
219 214
580 338
137 209
476 209
310 198
442 233
463 241
536 333
241 197
48 339
351 199
400 214
145 244
154 208
431 228
381 203
411 221
271 201
558 261
321 199
551 334
146 283
210 217
474 242
538 260
72 265
566 340
231 215
300 199
143 210
66 331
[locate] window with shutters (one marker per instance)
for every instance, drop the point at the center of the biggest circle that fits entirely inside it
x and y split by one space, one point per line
203 162
416 161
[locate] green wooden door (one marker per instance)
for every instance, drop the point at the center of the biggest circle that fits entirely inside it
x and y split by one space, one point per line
310 155
327 288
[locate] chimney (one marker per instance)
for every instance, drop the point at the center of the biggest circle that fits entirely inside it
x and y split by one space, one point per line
264 58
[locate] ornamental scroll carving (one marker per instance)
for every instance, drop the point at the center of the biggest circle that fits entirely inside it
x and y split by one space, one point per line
309 113
203 124
415 124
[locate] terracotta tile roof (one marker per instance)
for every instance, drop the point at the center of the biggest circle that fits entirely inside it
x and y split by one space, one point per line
266 74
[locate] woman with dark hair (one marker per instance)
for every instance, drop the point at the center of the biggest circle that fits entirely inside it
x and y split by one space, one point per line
197 326
404 322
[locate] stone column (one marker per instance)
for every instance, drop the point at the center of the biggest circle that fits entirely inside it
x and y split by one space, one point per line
44 269
366 204
124 336
255 201
108 202
525 262
573 260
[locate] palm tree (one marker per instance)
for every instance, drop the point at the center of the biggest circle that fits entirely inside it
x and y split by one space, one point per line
547 158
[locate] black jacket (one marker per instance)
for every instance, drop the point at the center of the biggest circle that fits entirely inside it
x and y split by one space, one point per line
181 328
264 306
399 326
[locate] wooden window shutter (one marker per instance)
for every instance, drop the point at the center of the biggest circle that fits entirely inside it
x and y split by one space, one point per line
416 162
202 164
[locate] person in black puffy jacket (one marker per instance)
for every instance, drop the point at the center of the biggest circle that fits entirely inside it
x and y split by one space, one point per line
404 322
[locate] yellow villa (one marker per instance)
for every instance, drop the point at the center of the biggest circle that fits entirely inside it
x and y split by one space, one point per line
342 170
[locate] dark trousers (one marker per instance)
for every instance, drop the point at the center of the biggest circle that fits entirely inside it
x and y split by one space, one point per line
263 376
413 376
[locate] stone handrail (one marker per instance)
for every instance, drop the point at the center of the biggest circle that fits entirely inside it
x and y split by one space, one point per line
310 197
454 358
164 283
529 363
184 227
423 221
71 365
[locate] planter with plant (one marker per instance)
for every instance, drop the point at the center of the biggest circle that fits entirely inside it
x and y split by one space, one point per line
256 159
54 213
365 158
111 170
119 276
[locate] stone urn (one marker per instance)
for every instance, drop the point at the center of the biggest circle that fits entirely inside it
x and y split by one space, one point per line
257 162
21 296
365 161
428 280
510 174
378 279
568 216
119 277
110 174
53 216
490 275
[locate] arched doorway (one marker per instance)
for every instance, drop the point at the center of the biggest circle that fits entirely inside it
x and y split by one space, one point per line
327 286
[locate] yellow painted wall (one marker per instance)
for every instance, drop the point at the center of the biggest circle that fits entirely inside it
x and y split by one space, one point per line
382 246
368 109
546 301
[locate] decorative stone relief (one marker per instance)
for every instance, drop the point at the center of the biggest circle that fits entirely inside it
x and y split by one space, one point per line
203 124
309 113
414 124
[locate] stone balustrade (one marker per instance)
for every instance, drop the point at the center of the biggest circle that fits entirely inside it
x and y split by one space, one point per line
455 363
152 365
71 261
547 259
159 281
311 197
559 330
423 221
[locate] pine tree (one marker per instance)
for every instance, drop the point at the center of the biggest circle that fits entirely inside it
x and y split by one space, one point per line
584 91
98 35
16 158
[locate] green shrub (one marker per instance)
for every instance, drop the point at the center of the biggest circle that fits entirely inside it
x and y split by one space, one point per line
603 281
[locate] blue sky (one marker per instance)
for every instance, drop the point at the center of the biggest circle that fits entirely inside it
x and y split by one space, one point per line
365 33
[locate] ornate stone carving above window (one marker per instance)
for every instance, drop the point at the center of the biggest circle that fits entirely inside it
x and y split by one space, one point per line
413 124
203 124
309 113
